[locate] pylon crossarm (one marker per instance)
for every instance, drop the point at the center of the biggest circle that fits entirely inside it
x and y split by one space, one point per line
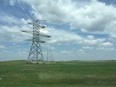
35 54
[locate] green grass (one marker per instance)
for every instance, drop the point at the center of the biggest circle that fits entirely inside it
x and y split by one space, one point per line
58 74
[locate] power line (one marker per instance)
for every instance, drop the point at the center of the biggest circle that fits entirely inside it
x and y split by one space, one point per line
21 11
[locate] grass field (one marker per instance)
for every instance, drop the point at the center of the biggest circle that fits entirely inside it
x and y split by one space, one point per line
58 74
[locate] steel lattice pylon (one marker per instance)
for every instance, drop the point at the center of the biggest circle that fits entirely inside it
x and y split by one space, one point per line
35 53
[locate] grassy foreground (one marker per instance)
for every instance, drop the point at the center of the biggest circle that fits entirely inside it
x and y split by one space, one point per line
58 74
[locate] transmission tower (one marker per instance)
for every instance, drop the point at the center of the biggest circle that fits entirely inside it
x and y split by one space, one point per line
35 53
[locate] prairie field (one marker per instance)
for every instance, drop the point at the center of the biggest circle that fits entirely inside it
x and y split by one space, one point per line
58 74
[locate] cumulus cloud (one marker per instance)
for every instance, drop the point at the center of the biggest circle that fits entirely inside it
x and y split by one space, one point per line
12 34
12 2
65 52
86 15
2 47
6 19
91 15
106 44
88 48
60 36
91 40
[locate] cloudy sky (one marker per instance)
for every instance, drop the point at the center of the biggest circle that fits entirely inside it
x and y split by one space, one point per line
80 29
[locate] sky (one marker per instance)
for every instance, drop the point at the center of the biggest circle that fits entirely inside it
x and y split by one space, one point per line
80 29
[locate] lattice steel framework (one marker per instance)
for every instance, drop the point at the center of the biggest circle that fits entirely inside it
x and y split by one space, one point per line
35 53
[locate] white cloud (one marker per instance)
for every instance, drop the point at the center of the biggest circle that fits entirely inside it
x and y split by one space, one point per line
80 52
111 29
62 36
92 41
106 44
90 37
84 18
2 47
8 19
105 49
91 15
11 28
87 48
65 52
13 33
12 2
87 15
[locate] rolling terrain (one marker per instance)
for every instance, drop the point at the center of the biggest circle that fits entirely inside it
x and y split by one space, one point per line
58 74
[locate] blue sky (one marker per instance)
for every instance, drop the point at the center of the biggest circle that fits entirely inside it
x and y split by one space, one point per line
80 29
